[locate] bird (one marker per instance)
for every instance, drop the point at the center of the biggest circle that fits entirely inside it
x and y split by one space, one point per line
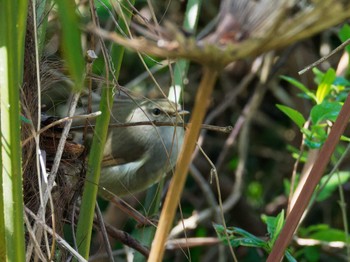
135 156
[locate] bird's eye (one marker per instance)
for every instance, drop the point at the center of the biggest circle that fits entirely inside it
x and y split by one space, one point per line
156 111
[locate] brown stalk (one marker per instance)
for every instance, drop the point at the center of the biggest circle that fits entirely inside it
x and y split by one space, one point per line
313 179
177 183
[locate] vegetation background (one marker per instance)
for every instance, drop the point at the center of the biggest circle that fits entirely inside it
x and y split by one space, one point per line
254 161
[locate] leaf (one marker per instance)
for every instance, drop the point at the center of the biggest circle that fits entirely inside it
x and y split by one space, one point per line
318 75
312 253
300 86
341 81
71 42
305 232
239 237
289 257
325 86
335 180
345 138
25 120
313 144
219 229
274 226
324 232
293 114
325 111
329 235
344 34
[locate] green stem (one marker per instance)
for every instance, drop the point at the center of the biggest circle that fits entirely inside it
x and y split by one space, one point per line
85 222
13 16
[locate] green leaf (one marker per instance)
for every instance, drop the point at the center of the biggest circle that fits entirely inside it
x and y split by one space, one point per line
325 111
329 235
220 229
345 138
71 42
313 144
305 232
239 237
344 34
293 114
300 86
341 81
25 120
250 237
312 253
289 257
274 226
333 183
324 87
316 136
319 75
13 15
323 232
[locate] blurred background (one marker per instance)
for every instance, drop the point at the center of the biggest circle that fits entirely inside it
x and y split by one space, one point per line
254 160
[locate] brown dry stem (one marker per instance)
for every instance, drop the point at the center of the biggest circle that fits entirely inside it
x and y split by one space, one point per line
172 200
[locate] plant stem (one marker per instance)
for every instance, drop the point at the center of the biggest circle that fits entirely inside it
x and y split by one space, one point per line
172 200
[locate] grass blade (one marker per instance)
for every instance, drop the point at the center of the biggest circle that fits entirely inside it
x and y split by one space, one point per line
13 16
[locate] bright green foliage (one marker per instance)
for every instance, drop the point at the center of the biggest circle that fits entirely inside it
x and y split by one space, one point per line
240 237
293 114
309 94
274 226
328 100
324 87
325 111
333 182
344 34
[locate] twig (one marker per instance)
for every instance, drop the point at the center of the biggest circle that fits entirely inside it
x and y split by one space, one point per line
305 242
204 186
107 245
223 129
126 239
129 210
324 58
54 169
39 252
191 242
231 200
247 113
61 121
59 239
229 100
235 195
294 172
